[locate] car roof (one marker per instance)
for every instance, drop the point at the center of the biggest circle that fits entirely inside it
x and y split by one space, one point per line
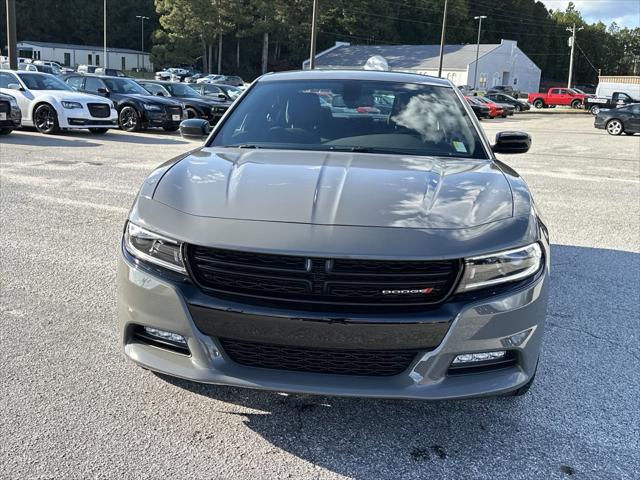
373 75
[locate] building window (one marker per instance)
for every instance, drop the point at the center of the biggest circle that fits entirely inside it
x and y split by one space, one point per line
97 60
123 64
483 80
89 59
67 59
515 80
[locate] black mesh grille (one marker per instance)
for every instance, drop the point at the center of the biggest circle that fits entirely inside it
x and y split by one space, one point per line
287 278
5 107
174 111
341 362
99 110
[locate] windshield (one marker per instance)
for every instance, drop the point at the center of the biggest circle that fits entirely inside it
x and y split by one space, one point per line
181 90
124 85
233 92
35 81
366 116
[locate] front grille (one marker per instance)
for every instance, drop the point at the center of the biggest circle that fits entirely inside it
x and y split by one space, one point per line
5 107
309 280
379 363
99 110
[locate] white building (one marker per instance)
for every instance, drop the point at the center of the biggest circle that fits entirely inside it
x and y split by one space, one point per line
74 55
498 64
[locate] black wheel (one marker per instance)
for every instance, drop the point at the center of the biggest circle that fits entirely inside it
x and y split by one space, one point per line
595 110
5 131
518 108
129 119
614 127
99 130
171 129
576 104
538 103
45 119
191 112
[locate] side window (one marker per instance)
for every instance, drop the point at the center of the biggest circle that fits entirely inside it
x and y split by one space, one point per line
153 88
6 79
75 82
93 84
555 91
213 89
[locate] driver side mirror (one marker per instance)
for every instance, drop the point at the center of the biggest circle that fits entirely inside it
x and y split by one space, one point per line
14 86
222 96
512 142
103 91
194 128
160 94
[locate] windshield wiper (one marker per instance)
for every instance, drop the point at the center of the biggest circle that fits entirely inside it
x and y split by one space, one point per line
242 145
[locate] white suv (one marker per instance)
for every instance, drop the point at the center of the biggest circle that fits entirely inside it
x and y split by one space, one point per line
49 104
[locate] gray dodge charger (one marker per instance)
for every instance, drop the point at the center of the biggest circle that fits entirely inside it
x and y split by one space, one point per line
339 233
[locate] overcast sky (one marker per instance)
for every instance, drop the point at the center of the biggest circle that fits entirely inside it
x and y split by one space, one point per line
626 13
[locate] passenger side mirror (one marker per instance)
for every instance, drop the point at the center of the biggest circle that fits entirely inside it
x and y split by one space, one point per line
14 86
195 128
103 91
512 142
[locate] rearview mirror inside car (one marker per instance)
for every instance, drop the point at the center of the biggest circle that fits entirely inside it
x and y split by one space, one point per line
512 142
194 128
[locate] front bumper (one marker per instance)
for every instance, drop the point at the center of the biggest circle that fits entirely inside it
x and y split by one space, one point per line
81 118
146 299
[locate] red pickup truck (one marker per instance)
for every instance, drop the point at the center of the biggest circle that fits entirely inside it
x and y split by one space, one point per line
557 96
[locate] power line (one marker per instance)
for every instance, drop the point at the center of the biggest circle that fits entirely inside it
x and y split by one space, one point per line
585 56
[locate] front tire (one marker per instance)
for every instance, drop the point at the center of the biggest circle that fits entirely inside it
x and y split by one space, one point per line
614 127
45 119
576 104
191 112
595 110
129 120
518 108
538 103
99 131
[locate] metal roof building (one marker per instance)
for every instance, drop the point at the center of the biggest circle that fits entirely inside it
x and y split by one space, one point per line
73 55
498 64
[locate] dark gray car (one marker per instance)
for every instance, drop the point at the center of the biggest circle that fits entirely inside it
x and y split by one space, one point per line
365 254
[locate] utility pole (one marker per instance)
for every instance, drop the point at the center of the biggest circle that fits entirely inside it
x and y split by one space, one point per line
142 19
106 59
444 27
572 43
475 73
11 34
314 26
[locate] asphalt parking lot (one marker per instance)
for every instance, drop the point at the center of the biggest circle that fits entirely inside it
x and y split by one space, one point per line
73 407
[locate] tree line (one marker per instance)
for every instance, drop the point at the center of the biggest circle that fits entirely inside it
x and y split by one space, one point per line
248 37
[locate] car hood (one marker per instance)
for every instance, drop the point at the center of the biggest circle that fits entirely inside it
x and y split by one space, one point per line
148 98
70 96
328 188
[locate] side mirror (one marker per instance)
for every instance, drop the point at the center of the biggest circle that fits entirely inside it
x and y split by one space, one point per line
103 91
14 86
512 142
160 94
194 128
222 96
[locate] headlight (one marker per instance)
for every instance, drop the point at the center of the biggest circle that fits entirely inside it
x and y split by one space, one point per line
153 248
152 107
501 267
71 105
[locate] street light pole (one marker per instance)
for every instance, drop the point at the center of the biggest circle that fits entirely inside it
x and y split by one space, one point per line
104 49
11 34
475 73
142 19
314 26
573 44
444 27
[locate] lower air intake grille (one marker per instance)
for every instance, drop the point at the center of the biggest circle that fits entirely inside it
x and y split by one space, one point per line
379 363
99 110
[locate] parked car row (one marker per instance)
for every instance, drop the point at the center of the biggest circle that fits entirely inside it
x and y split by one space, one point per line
99 102
495 105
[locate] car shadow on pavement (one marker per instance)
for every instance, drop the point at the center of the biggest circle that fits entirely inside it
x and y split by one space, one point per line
39 140
159 139
559 427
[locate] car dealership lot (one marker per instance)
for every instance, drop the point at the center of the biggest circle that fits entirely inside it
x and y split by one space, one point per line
73 407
